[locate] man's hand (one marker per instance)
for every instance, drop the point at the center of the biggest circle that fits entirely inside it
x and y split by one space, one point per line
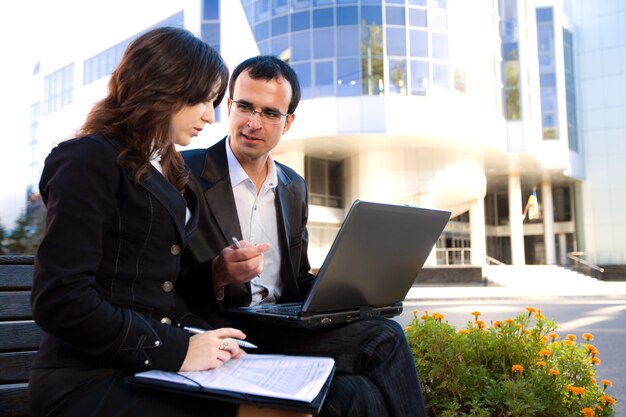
237 265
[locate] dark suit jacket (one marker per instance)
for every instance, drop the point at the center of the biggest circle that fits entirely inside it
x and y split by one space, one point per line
219 222
105 269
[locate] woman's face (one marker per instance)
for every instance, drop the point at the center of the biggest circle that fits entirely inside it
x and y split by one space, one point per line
189 121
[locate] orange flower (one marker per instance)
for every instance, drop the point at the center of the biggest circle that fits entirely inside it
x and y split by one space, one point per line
592 349
568 343
588 337
539 316
476 314
571 337
554 372
545 352
553 336
588 412
479 323
577 390
414 313
509 321
607 383
497 324
463 331
544 339
605 399
595 360
599 408
541 364
517 368
531 309
438 316
408 328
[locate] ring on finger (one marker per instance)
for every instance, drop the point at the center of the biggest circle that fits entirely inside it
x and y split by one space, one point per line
223 345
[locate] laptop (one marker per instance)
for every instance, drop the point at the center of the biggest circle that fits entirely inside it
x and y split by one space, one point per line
371 265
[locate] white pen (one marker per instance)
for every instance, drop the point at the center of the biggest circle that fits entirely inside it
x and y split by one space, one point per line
242 343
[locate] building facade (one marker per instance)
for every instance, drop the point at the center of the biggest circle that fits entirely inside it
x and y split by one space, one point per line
488 108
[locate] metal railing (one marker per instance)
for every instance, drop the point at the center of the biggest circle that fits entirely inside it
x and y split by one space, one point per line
584 266
454 256
494 261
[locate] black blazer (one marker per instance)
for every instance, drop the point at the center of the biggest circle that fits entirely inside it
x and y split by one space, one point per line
218 222
108 261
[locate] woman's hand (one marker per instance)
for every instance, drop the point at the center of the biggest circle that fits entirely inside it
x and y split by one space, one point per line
212 349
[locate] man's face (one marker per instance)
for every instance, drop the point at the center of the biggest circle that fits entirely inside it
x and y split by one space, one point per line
253 137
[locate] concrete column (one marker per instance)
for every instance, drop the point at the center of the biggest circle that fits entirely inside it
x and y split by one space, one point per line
563 249
477 232
516 220
548 222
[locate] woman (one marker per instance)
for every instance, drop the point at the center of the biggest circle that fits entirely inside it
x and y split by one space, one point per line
119 213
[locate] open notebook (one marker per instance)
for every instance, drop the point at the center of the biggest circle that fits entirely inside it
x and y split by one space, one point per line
371 265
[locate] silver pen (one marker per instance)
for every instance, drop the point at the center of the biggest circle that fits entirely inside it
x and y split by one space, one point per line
238 245
242 343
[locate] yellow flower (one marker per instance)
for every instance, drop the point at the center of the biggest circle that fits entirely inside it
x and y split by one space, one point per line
607 383
545 352
408 328
588 412
424 316
539 316
544 339
476 314
414 313
605 399
517 368
553 336
463 331
438 316
571 337
588 337
554 372
531 309
541 364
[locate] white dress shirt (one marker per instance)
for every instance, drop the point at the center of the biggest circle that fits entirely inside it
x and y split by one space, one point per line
257 217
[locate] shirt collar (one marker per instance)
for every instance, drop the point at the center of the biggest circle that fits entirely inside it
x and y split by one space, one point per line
238 175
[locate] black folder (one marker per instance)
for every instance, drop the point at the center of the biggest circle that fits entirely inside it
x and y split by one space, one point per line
312 407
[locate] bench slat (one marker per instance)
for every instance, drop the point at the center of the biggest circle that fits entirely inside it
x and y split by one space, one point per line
15 367
15 305
14 400
16 277
19 335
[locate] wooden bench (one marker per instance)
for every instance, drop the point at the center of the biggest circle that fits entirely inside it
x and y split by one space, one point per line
19 335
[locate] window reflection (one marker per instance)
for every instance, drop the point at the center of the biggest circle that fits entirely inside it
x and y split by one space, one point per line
348 77
324 79
397 76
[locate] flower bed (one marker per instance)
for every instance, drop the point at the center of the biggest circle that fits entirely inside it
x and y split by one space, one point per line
515 367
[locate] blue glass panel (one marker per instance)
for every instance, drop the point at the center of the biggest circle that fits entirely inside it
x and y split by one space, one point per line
548 119
547 80
418 2
417 17
348 77
348 41
347 15
211 33
544 14
396 41
371 1
440 46
441 75
264 47
548 99
300 4
395 1
323 17
323 2
211 10
372 15
324 79
279 45
323 43
279 25
262 31
261 10
509 51
395 15
397 76
419 77
347 1
280 7
418 43
300 21
303 71
301 46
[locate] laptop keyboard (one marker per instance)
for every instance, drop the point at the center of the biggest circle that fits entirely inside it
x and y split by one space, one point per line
286 309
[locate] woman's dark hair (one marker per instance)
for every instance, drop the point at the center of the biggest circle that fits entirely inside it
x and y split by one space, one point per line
161 72
268 67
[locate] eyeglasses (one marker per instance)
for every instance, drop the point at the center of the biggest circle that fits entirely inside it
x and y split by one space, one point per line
267 116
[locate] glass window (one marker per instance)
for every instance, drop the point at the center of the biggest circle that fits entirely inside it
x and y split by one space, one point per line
323 2
280 44
323 17
279 25
348 77
324 79
348 41
301 46
437 19
395 1
262 31
440 45
59 89
418 2
548 99
442 4
264 47
211 10
371 1
323 43
303 71
419 77
347 1
418 43
544 14
347 15
441 75
280 7
395 15
211 33
397 76
396 41
547 80
300 21
373 72
300 4
418 17
261 10
372 15
372 40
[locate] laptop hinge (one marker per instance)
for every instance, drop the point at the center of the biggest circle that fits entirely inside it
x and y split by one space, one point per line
365 312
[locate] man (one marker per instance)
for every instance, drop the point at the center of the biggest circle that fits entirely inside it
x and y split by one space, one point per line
249 196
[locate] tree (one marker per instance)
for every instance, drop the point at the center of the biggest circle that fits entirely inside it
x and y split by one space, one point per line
25 238
3 235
